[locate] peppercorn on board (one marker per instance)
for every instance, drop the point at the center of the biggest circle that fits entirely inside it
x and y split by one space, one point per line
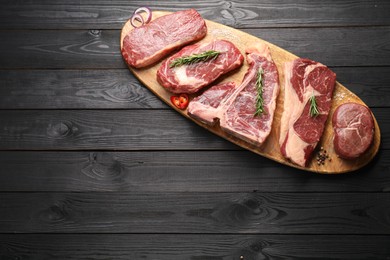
269 149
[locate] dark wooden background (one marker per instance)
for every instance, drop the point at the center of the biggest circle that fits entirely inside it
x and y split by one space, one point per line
94 166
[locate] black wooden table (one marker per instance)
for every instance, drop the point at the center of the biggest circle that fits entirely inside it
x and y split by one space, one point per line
94 166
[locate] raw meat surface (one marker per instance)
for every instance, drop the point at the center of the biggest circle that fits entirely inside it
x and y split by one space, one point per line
151 42
300 132
191 78
206 107
353 129
237 106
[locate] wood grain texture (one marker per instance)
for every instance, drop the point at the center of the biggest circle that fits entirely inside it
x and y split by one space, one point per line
371 84
83 49
333 46
222 213
103 129
193 247
78 89
118 130
270 148
166 193
100 14
176 171
119 89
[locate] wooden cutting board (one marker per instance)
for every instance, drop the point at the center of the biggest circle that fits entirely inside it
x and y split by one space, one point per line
270 148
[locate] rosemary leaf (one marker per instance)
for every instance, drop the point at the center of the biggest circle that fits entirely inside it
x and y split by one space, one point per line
259 97
313 106
204 56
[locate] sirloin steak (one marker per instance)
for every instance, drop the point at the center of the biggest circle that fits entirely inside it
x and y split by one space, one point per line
353 127
235 106
149 43
190 78
299 131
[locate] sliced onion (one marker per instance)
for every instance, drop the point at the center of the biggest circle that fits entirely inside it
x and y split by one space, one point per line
148 12
137 17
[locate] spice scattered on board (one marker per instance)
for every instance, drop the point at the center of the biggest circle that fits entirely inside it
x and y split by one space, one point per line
323 156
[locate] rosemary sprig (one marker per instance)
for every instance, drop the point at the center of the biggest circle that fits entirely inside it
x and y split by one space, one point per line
204 56
259 97
313 106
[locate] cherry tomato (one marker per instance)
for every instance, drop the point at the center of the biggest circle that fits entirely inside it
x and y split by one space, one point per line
181 101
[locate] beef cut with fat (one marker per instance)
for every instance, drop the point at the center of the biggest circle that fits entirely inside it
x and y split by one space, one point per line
235 106
150 43
190 78
353 127
207 106
300 131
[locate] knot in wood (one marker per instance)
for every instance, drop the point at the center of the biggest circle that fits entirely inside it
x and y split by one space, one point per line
95 32
53 214
254 205
60 130
105 168
119 92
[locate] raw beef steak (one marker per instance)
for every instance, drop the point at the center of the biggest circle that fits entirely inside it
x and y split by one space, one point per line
235 106
299 131
190 78
151 42
353 130
206 107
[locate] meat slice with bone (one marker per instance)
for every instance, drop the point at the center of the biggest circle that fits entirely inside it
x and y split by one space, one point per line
190 78
207 106
235 106
148 44
300 130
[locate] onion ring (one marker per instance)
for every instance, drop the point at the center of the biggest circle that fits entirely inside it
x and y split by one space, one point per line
137 17
148 12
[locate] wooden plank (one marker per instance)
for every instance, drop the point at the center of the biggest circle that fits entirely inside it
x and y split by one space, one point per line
118 130
171 171
57 49
194 247
118 88
102 129
249 213
67 89
70 49
113 14
270 148
333 46
370 84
